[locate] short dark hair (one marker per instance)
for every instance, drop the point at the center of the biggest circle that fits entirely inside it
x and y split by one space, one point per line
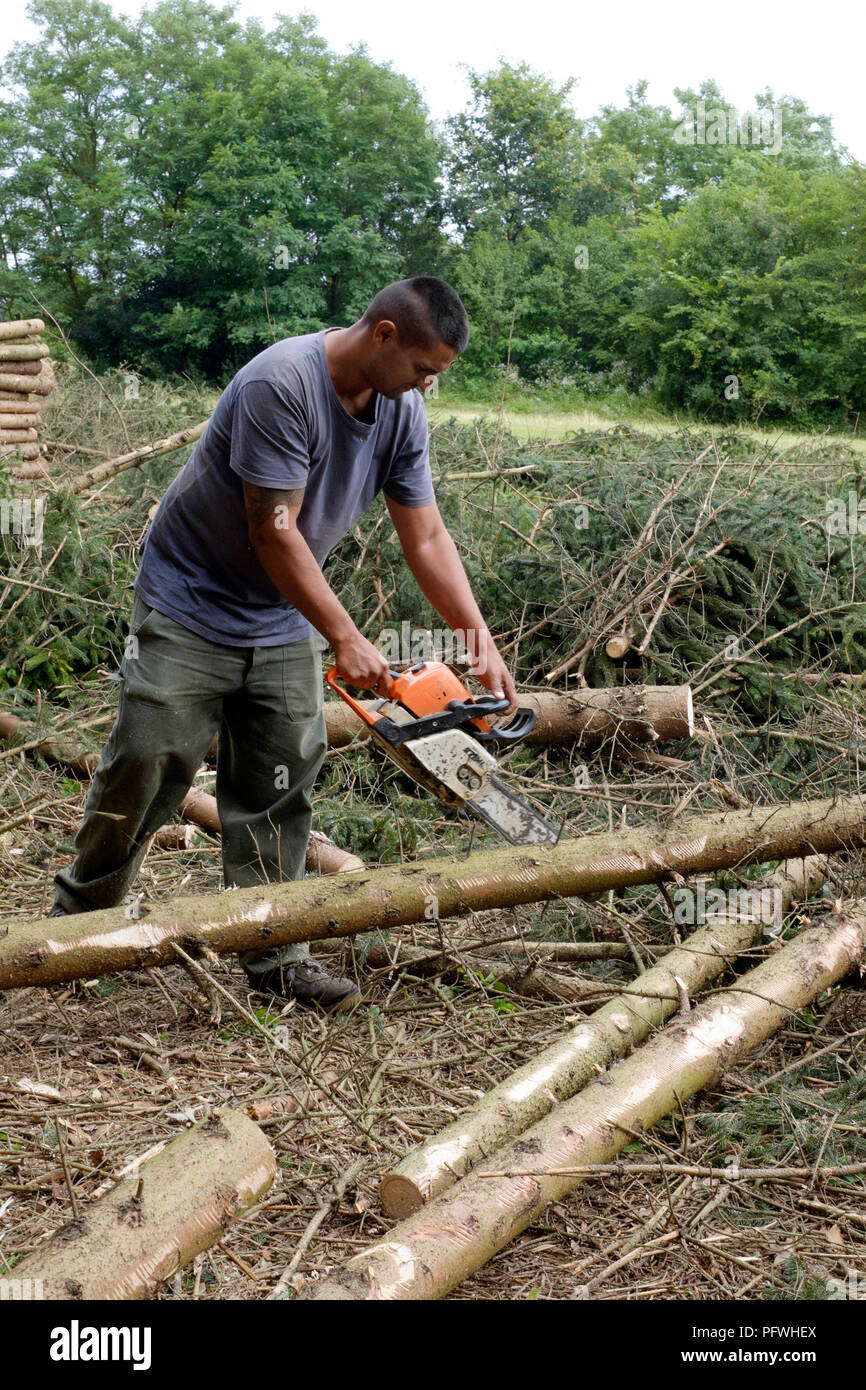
421 307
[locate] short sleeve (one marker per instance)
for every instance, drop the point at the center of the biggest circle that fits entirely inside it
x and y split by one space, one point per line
269 437
410 481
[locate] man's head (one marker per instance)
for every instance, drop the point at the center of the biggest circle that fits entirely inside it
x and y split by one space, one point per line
415 328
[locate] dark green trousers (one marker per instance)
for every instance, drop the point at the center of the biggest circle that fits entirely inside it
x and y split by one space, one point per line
177 690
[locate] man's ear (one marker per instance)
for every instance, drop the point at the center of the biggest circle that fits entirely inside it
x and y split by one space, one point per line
385 333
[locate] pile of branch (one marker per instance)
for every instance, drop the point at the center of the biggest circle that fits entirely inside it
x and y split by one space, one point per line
25 377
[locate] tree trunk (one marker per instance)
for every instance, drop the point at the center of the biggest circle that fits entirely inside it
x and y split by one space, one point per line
153 1223
36 467
563 1069
18 436
20 451
68 948
41 385
20 369
23 352
431 1252
18 421
20 328
101 471
16 406
627 714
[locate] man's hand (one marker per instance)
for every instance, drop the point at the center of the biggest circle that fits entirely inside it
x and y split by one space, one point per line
492 671
360 663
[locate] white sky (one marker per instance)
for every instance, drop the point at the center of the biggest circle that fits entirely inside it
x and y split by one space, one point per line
798 47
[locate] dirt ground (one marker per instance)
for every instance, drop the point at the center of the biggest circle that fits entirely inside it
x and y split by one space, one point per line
121 1064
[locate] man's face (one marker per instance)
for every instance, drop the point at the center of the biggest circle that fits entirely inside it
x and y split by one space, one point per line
396 367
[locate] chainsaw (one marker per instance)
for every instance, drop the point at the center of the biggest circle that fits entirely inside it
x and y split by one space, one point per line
436 732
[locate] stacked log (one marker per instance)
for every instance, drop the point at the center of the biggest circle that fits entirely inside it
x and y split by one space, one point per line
25 379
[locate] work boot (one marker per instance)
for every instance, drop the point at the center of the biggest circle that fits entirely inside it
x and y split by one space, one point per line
58 911
310 983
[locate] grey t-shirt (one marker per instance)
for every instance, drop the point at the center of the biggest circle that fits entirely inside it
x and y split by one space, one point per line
280 424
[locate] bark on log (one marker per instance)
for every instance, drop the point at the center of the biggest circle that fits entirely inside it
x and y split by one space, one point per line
564 1068
631 714
323 856
67 948
41 385
18 420
36 467
21 328
23 352
21 436
431 1252
10 405
153 1223
102 471
20 369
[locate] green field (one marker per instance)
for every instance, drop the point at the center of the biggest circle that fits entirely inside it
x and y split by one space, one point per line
555 421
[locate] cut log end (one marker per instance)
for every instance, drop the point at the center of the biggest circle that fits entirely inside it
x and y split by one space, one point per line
400 1196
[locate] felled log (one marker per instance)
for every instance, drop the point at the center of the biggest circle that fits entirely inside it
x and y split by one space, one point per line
57 750
10 405
41 385
154 1222
12 420
433 1250
23 436
67 948
102 471
21 328
562 1069
23 352
35 467
587 718
16 368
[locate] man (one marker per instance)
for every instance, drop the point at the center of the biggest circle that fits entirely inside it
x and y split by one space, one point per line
230 589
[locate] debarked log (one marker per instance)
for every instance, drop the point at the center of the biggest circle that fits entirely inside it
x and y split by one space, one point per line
562 1069
41 385
101 472
21 328
154 1222
23 352
587 718
22 436
432 1251
66 948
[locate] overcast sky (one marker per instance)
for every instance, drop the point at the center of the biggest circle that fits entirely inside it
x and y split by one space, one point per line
799 47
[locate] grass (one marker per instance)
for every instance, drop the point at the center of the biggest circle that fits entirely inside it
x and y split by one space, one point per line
538 418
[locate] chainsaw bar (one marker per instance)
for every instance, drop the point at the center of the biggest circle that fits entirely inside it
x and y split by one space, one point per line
459 771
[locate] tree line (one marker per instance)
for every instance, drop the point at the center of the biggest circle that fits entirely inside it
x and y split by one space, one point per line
181 188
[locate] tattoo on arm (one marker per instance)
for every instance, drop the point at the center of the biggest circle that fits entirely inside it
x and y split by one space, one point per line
266 505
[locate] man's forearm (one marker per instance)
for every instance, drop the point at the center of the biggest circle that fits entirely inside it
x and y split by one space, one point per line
292 568
442 579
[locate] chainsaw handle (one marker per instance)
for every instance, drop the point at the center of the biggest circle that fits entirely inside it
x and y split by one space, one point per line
369 716
522 724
